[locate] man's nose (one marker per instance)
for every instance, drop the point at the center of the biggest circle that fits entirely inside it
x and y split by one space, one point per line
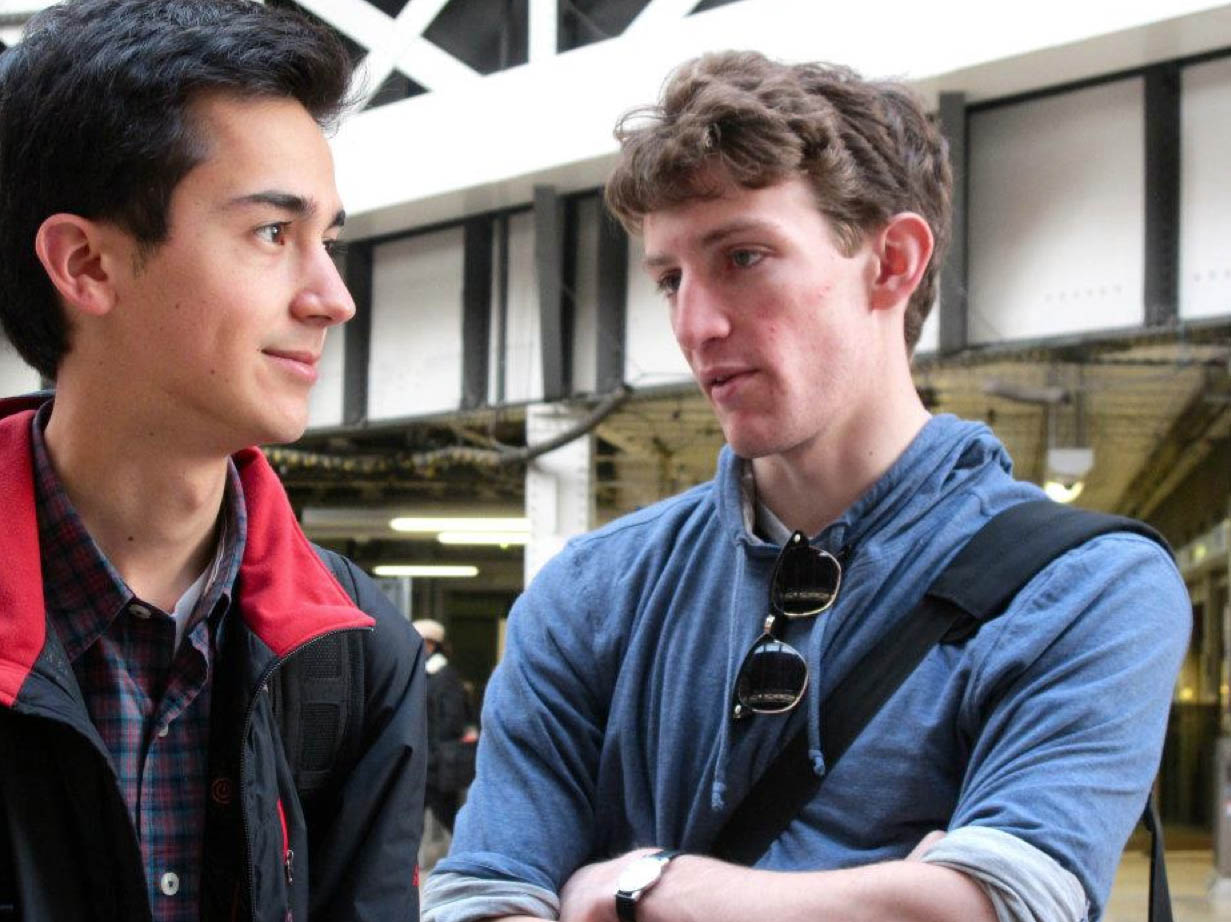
324 297
698 315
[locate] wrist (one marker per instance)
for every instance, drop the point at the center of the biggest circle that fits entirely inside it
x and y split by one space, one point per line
698 888
639 877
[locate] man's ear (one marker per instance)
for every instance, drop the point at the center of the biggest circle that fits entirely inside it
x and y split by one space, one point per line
903 247
72 251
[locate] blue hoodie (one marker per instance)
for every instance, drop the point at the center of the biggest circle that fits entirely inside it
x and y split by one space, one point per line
608 724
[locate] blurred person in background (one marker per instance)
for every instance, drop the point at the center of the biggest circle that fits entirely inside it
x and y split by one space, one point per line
450 758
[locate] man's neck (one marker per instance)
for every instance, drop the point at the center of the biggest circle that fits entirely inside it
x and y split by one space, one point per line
152 508
810 486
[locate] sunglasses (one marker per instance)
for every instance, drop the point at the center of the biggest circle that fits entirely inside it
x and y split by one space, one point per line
774 675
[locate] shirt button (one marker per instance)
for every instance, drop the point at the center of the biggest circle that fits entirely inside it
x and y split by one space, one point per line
139 610
163 731
170 883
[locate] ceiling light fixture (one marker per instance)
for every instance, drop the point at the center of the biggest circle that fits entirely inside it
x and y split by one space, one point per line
429 524
501 538
426 570
1066 472
1063 493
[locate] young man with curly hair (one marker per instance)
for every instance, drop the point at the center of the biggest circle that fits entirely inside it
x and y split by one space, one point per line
793 217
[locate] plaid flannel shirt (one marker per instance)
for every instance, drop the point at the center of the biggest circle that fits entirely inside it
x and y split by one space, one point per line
149 700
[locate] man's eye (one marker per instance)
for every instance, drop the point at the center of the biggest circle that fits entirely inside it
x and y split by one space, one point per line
272 233
745 259
334 247
668 283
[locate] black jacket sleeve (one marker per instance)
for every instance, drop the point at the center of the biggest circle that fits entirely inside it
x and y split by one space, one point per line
364 841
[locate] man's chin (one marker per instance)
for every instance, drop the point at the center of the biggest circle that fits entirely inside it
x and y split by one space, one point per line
750 434
282 431
751 447
283 436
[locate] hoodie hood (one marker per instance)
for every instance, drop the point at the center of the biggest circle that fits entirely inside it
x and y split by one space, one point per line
287 596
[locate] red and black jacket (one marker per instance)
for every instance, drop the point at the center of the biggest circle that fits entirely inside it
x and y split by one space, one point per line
72 851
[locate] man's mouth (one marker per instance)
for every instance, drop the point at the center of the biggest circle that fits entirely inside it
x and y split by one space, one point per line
298 362
723 375
721 382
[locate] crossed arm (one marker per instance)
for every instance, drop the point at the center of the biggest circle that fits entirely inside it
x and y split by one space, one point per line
700 889
1061 730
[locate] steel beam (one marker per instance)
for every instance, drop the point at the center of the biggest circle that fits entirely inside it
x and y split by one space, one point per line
549 273
544 29
954 306
357 343
1162 195
476 311
612 301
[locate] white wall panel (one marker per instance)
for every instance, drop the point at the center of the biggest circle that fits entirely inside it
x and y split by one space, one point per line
1057 216
416 360
1205 191
652 356
585 290
523 368
325 404
16 377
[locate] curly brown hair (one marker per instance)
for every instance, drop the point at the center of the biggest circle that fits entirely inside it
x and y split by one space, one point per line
867 147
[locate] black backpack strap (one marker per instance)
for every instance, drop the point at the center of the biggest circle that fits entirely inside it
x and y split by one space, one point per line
1012 547
319 700
977 585
1160 893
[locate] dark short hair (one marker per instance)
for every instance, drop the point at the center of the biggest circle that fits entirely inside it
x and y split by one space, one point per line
867 148
95 120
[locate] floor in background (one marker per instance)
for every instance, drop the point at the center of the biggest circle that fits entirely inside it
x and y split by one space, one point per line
433 846
1189 873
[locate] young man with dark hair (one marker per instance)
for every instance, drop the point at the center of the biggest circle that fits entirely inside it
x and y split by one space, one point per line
167 212
792 216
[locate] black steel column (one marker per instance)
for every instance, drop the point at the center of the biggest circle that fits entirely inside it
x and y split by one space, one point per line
954 307
357 342
476 311
549 272
502 304
1162 195
571 217
612 300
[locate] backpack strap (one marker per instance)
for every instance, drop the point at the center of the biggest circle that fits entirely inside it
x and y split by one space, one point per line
1160 893
978 584
318 699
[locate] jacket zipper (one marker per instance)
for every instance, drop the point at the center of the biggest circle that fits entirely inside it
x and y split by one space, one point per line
263 688
288 854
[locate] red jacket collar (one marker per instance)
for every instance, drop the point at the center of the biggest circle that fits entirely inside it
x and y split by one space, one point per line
287 595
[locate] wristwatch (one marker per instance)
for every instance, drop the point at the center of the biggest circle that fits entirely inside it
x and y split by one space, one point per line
637 877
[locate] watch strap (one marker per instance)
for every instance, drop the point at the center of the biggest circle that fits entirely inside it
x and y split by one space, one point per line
626 906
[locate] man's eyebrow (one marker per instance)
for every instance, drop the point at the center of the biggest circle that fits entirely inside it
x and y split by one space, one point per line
298 205
711 237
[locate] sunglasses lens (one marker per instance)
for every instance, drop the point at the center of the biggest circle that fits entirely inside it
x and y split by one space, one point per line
805 581
772 678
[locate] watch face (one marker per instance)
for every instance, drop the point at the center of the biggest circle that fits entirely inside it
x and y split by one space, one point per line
640 873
